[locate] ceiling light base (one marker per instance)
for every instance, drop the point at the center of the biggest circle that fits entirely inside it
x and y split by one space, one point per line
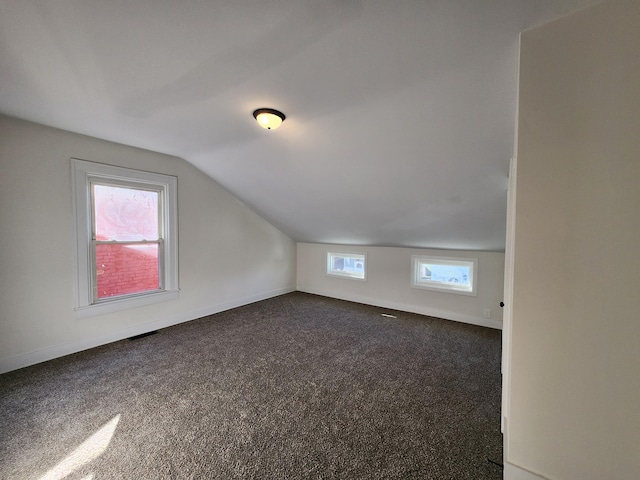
269 118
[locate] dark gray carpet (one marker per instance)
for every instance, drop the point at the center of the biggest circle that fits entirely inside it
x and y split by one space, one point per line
298 386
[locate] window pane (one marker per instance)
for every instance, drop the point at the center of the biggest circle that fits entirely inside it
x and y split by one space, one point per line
125 214
346 265
353 266
125 269
447 274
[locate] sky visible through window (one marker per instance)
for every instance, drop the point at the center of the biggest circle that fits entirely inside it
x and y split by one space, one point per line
125 214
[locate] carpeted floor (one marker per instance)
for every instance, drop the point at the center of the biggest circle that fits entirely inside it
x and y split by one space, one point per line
297 386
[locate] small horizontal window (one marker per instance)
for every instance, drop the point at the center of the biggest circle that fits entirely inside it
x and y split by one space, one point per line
350 265
444 274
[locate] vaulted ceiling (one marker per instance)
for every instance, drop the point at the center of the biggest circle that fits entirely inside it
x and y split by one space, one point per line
400 114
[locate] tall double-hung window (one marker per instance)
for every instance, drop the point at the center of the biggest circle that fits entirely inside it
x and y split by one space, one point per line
126 237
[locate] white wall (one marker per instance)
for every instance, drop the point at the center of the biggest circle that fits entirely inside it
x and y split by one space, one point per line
228 255
388 282
575 362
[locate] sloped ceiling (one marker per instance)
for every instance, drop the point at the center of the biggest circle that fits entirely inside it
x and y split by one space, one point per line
400 114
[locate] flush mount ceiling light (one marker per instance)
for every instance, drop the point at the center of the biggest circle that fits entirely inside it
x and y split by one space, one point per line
269 118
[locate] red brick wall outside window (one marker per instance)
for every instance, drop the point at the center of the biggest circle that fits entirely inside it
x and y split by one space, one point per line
121 269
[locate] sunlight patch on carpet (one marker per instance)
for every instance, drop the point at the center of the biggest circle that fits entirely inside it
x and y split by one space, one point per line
89 450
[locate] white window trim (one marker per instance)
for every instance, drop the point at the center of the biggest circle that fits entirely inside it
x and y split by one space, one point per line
333 273
82 173
416 260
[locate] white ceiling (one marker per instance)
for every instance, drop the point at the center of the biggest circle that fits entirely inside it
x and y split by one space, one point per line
400 114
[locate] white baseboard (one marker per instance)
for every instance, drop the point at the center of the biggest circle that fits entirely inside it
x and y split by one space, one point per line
511 472
56 351
376 302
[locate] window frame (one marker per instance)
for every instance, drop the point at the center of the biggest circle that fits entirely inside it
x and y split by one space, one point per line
84 174
416 282
336 273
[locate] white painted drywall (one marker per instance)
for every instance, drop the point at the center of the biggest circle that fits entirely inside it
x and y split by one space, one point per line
228 255
388 282
575 360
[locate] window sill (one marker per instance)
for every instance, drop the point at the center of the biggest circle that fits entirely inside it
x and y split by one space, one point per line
345 275
444 289
125 304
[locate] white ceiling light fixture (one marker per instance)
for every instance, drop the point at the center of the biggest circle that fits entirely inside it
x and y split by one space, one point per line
269 118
